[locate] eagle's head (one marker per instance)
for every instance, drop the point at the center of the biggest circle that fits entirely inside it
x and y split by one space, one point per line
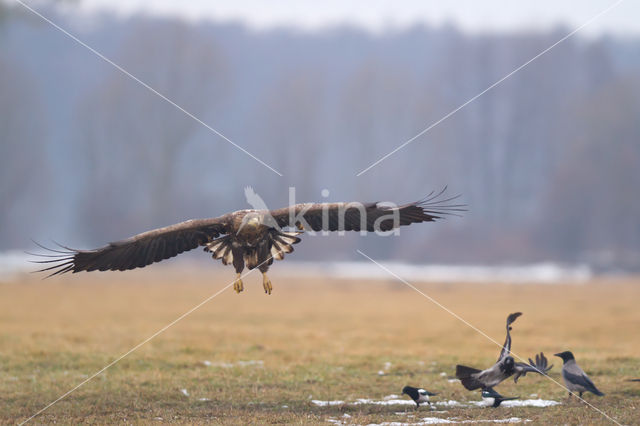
252 220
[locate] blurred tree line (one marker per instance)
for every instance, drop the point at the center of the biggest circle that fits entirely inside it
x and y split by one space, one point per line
548 162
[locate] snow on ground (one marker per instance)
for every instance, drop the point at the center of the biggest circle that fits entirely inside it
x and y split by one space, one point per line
546 272
250 363
436 420
528 403
15 262
395 400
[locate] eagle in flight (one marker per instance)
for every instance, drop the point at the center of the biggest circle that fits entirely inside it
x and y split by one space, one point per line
251 238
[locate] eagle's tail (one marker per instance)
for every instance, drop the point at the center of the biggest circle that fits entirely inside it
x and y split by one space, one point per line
282 242
465 374
220 248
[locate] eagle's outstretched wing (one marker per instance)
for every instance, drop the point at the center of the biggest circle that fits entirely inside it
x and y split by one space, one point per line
137 251
356 216
540 366
506 348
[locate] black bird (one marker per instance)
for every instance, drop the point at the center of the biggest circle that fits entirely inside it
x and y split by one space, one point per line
575 379
418 395
505 367
494 398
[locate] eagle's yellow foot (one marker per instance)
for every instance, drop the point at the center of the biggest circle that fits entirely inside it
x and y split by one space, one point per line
237 284
266 283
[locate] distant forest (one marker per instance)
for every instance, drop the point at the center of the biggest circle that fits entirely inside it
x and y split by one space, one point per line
548 162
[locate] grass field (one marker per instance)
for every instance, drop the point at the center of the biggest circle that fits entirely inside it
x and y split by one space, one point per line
257 359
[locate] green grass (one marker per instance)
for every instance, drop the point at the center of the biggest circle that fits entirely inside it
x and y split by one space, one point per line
315 340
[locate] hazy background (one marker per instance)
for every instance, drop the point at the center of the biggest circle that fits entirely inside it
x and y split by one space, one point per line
548 162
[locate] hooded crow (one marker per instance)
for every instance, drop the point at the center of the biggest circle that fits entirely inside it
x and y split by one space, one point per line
493 398
575 379
505 367
418 395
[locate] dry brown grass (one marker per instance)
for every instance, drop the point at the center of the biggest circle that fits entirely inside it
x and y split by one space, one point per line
327 340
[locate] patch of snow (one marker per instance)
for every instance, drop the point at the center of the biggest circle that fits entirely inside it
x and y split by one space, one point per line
204 399
381 373
450 403
453 380
326 403
443 374
531 403
206 363
520 403
184 392
396 400
545 272
438 420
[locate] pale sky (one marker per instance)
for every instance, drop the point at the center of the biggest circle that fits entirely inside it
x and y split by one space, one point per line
378 15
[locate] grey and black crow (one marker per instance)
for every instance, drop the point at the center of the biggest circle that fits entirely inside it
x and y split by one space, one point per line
575 379
494 399
505 367
418 395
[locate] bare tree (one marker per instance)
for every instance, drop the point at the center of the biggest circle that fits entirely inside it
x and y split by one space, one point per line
133 139
23 176
594 205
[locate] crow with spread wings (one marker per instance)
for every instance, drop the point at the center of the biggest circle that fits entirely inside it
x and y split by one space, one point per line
251 238
505 367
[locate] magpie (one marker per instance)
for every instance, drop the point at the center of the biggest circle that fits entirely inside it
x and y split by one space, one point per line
505 367
418 395
575 379
493 398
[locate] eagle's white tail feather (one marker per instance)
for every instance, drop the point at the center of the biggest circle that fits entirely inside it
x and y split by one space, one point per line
227 256
276 252
281 243
219 248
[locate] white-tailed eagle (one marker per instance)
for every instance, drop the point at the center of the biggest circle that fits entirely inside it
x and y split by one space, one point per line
251 238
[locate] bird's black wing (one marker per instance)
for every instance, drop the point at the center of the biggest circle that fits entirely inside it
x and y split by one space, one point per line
356 216
137 251
582 380
506 348
468 377
540 366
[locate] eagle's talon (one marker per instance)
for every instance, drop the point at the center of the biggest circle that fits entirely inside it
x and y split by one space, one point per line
237 285
266 283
